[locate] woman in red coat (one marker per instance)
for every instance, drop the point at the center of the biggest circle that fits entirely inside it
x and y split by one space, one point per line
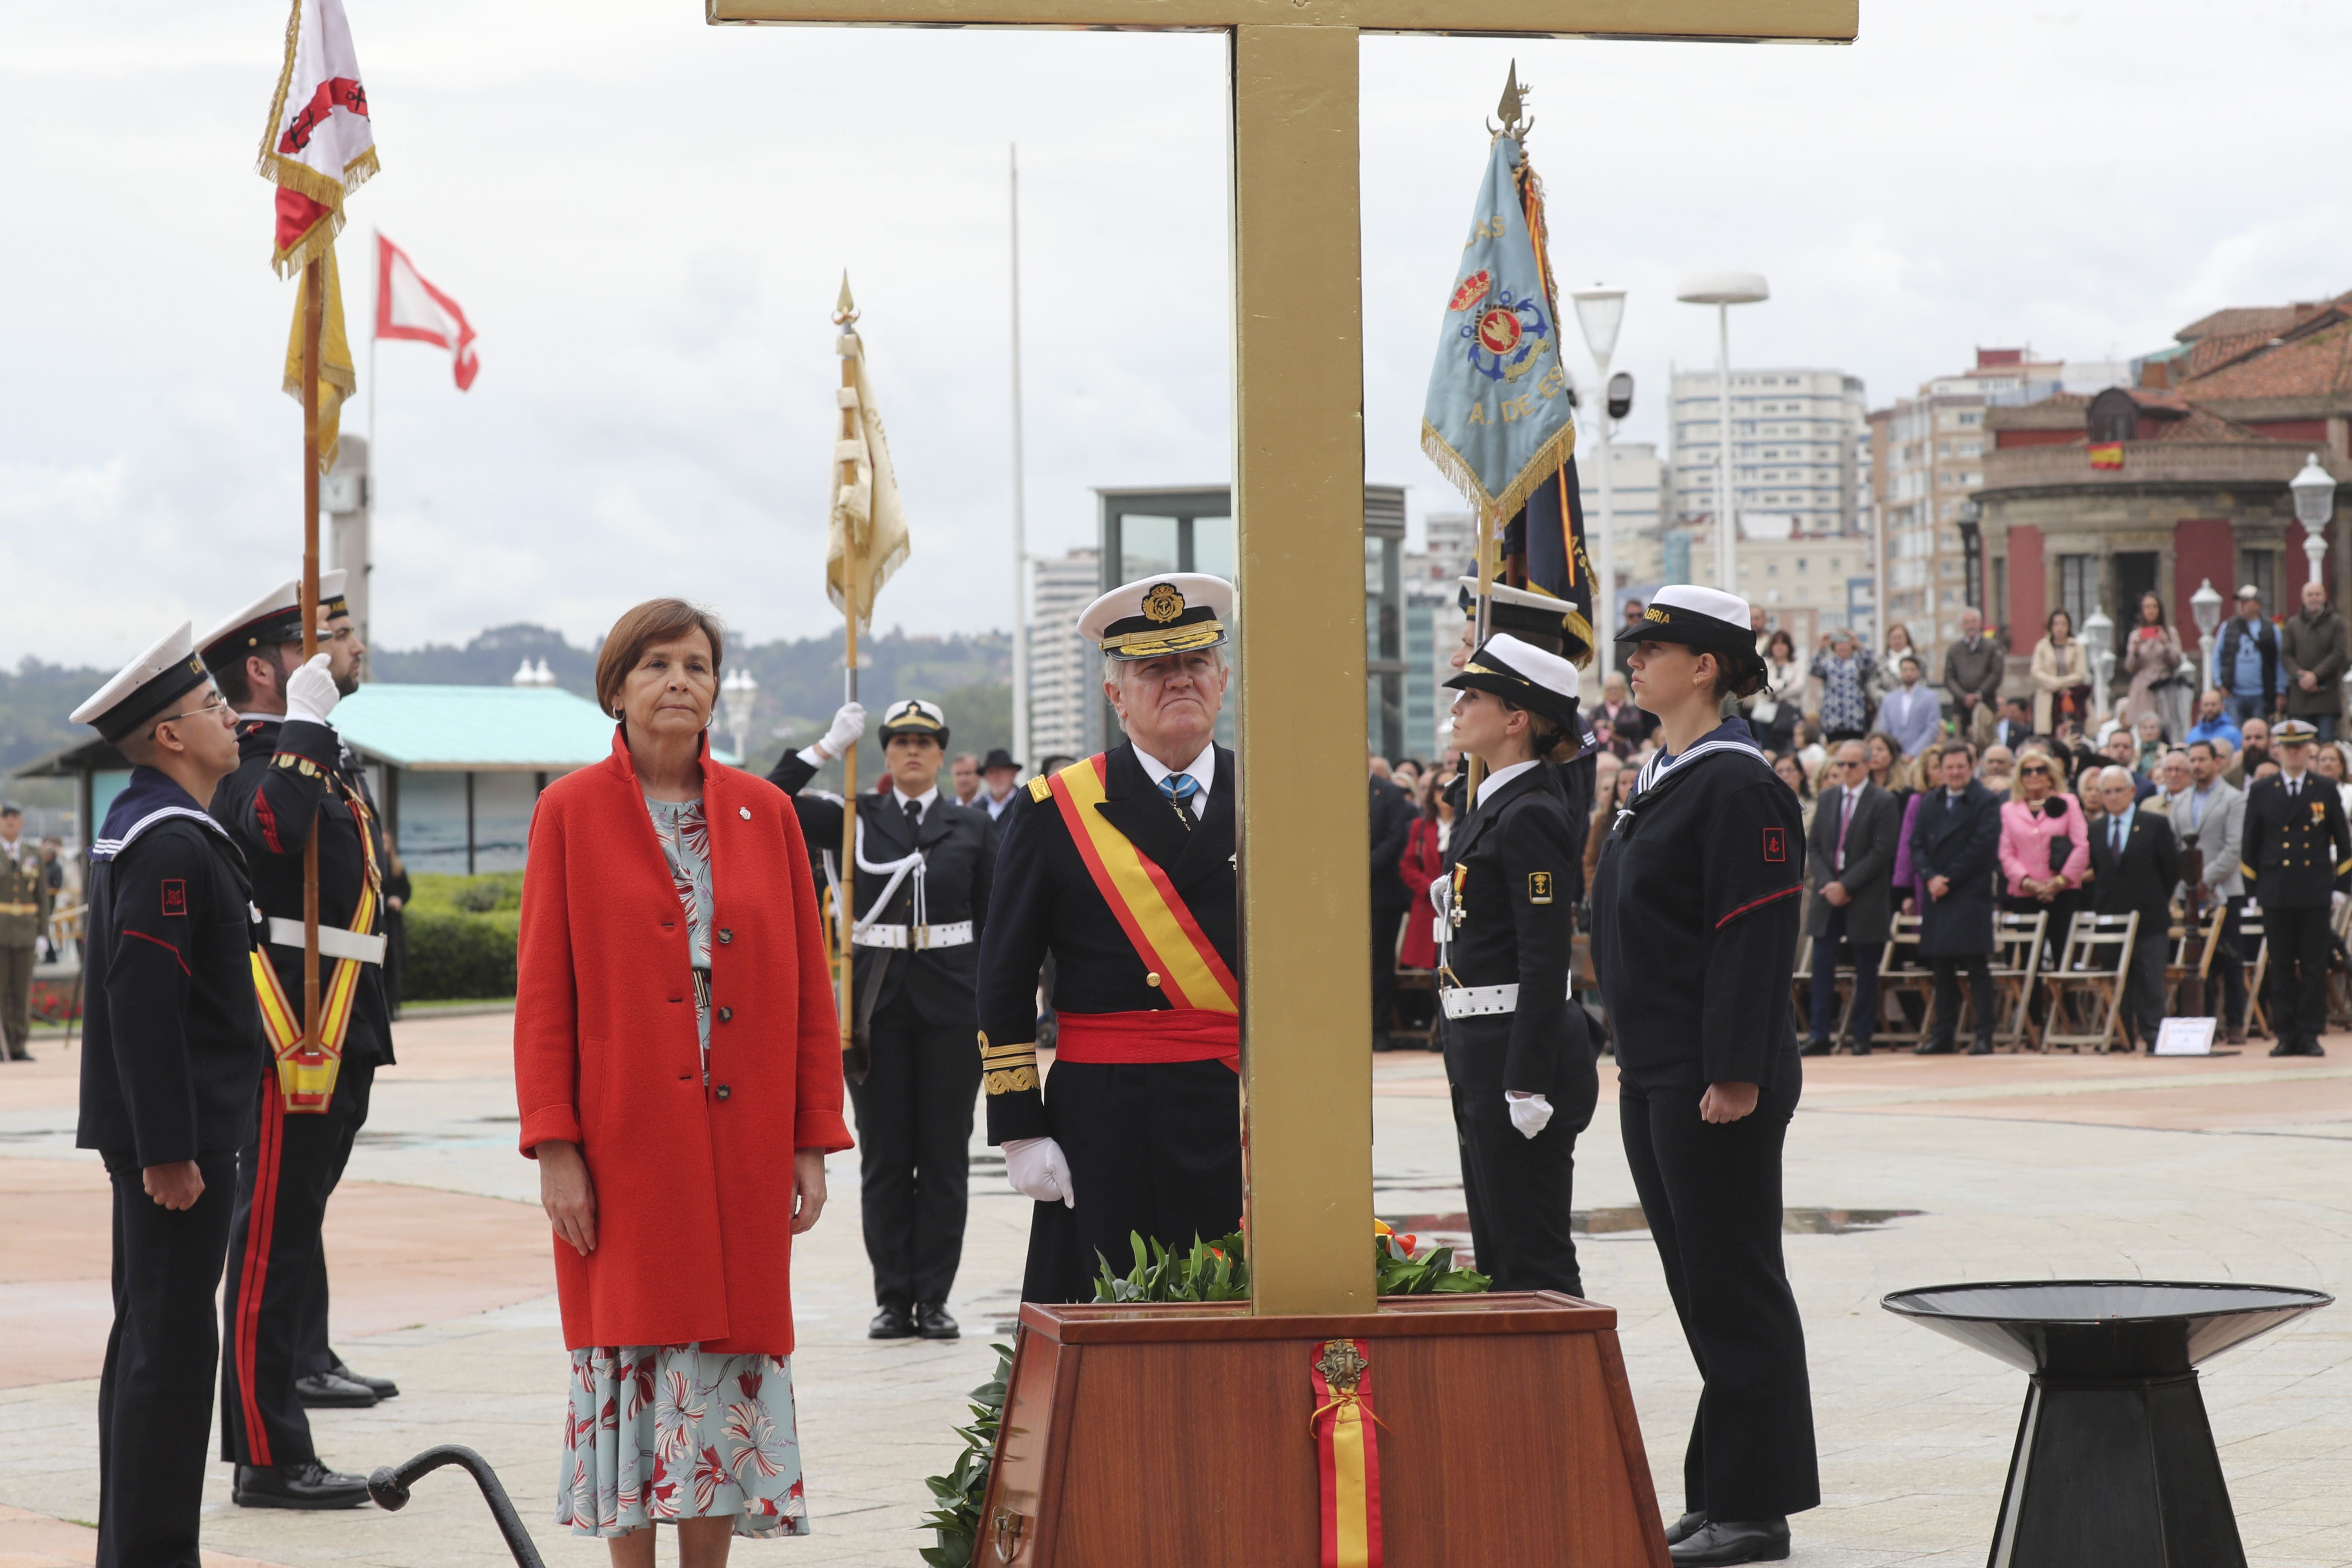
1423 863
674 1035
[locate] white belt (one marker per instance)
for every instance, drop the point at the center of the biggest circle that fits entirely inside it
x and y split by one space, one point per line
1485 1001
955 934
334 942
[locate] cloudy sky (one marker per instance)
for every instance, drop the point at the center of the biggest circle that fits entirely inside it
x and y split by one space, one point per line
646 218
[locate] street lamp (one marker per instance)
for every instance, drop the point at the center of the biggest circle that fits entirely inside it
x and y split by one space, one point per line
737 694
1600 311
2315 503
2205 606
1723 291
2099 636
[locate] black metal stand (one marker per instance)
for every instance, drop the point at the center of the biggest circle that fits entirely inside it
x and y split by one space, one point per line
390 1487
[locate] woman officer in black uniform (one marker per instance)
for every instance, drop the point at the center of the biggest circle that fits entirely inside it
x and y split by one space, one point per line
1694 936
1517 1055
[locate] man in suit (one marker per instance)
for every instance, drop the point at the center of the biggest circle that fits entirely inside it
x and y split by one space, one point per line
2210 816
2297 852
2135 865
1955 847
1850 855
1391 825
2015 725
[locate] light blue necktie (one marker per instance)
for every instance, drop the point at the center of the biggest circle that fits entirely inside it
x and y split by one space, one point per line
1181 788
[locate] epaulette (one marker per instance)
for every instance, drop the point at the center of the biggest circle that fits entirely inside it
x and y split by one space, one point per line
1040 787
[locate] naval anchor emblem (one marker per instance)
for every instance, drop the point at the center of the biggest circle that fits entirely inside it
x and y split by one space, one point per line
1163 604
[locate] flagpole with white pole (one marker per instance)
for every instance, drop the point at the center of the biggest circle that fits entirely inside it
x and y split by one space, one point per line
1020 519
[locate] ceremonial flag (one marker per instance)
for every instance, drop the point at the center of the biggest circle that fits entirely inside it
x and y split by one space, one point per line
320 144
409 307
864 519
336 378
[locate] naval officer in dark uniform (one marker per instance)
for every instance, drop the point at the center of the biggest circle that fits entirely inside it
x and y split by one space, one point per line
1696 907
1121 868
2297 861
172 1051
1517 1054
294 776
923 868
1553 626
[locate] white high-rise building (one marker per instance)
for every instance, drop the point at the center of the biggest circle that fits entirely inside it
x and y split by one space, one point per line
1065 672
1800 452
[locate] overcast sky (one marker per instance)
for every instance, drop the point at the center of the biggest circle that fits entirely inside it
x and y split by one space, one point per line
646 219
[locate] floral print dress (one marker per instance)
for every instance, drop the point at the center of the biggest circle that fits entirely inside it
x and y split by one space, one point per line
661 1432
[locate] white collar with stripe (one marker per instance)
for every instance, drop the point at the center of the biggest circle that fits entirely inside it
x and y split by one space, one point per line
1660 764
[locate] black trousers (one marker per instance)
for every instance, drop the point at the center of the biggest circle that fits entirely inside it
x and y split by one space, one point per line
1386 920
914 1141
1520 1193
1712 1196
155 1396
1155 1149
276 1266
2298 973
1864 1017
2143 1003
1947 967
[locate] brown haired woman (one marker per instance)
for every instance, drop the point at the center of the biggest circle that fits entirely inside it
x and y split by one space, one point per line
674 1033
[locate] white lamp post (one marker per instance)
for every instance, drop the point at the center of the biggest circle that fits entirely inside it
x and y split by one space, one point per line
2099 636
737 694
1723 291
2205 606
1600 311
2315 504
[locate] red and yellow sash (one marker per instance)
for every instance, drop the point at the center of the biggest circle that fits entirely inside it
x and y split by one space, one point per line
306 1075
1166 937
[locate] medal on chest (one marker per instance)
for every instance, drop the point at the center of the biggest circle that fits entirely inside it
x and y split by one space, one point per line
1461 874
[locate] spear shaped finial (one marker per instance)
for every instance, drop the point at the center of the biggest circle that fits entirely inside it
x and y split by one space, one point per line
846 311
1516 122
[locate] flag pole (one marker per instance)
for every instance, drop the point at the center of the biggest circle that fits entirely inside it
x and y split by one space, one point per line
1019 519
314 312
855 565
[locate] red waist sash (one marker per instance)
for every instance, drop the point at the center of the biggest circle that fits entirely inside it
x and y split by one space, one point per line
1155 1034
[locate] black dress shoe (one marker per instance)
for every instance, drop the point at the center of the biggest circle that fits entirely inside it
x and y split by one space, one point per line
1685 1526
1718 1543
1860 1047
1932 1049
381 1387
326 1390
309 1485
1817 1047
894 1321
2283 1050
931 1321
1981 1049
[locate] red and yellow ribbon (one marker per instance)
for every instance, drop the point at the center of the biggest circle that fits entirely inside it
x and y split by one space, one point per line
306 1075
1347 1455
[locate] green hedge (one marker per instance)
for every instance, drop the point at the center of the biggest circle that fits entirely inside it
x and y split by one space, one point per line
461 936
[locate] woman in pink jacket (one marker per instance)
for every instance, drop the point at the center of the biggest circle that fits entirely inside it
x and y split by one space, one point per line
2046 844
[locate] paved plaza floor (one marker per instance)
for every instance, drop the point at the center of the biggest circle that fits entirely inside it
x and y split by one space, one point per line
1901 1172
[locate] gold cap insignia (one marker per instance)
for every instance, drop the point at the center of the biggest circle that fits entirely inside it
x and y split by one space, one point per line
1163 604
1655 614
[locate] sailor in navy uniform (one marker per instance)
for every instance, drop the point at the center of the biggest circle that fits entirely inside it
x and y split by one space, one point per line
296 775
1696 906
173 1050
1553 626
2297 861
1137 1131
1518 1055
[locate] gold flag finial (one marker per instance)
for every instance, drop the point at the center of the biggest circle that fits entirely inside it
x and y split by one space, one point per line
846 311
1517 122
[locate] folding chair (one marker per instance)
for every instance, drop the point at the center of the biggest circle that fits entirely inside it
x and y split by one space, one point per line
2255 952
2084 972
1901 974
1801 995
2016 965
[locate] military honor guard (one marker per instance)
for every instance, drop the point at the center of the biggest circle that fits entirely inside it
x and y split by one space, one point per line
1121 866
173 1052
1696 905
2297 861
1518 1055
24 901
922 893
294 777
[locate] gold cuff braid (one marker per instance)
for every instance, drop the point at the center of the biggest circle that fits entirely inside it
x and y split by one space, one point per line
1011 1081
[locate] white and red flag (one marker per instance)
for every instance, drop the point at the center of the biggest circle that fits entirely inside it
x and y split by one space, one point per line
320 144
408 307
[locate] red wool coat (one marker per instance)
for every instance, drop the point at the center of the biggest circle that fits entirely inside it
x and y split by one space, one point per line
693 1184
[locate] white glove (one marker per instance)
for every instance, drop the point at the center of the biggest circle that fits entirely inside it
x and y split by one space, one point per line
311 691
848 726
2336 900
1038 1170
1531 1114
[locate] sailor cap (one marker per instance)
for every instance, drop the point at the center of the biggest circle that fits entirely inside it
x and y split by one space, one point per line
1707 619
145 687
1154 617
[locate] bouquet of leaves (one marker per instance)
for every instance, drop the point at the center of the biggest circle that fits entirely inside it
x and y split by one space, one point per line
1219 1270
962 1490
1433 1273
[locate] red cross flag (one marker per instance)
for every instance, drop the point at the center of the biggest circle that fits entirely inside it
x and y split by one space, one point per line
320 145
407 307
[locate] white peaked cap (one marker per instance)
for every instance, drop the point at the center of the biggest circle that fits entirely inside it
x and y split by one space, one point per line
145 686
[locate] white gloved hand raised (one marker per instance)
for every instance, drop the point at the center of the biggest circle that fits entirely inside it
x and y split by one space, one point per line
311 691
848 727
1038 1170
1531 1114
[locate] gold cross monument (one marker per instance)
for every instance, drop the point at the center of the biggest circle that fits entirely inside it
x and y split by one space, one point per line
1298 513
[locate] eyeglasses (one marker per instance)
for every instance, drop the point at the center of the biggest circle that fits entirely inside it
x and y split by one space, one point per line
2034 768
217 702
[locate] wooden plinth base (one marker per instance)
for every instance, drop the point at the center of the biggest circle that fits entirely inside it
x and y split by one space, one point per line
1140 1437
